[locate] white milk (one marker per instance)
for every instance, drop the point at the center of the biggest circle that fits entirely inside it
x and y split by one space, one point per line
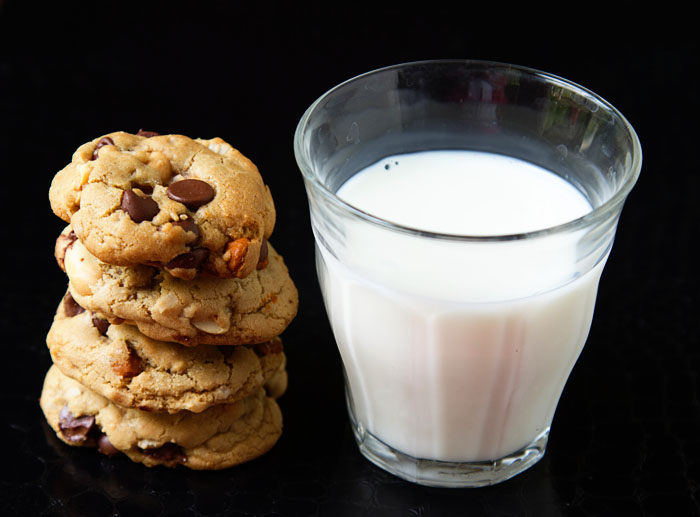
458 350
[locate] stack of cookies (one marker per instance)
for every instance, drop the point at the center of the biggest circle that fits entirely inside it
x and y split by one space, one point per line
166 345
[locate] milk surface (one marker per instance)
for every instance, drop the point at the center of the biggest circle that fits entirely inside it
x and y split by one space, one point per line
464 193
454 349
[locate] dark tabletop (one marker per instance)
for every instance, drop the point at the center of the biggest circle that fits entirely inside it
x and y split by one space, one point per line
626 435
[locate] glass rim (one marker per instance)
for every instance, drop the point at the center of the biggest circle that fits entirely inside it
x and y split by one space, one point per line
600 213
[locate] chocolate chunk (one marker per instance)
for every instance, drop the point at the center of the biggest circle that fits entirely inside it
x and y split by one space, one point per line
188 225
75 430
105 446
191 192
100 324
167 453
147 134
70 306
139 208
102 142
190 260
263 252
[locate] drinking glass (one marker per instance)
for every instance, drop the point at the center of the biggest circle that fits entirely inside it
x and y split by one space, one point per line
456 348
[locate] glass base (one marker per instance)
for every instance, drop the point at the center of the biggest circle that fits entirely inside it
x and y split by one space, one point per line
446 473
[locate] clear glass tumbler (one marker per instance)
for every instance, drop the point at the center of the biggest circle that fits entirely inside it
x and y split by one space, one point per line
456 348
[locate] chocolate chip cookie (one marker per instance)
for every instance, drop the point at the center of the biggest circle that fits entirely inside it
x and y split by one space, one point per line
204 310
187 205
132 370
220 437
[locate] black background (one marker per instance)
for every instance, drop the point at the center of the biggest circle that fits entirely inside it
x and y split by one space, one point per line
626 436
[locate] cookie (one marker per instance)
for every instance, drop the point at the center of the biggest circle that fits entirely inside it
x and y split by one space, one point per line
276 385
204 310
132 370
217 438
186 205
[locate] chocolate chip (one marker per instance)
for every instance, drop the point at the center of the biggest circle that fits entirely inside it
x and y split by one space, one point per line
188 225
146 189
70 306
168 453
101 143
263 251
104 141
190 260
75 430
147 134
100 324
105 446
139 208
191 192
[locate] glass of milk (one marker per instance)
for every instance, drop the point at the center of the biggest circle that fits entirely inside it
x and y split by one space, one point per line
463 212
